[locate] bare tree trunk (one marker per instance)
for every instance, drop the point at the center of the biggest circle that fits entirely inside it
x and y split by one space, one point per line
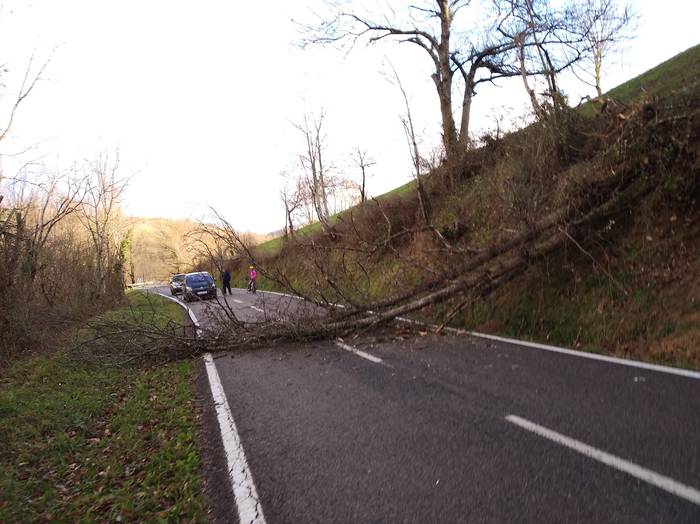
524 74
313 165
407 121
597 66
363 161
466 116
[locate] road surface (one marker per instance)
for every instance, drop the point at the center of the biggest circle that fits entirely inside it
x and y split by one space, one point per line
399 427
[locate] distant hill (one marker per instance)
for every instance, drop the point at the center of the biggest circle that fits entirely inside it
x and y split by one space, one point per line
159 247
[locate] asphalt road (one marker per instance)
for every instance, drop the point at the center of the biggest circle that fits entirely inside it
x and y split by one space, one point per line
454 429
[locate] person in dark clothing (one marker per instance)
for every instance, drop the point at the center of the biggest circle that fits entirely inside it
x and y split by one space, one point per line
226 282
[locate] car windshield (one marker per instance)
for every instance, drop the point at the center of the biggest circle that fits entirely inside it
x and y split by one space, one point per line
197 278
178 278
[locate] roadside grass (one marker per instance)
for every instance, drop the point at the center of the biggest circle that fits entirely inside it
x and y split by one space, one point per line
85 441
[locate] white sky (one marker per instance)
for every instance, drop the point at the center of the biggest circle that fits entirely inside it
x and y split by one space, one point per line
198 96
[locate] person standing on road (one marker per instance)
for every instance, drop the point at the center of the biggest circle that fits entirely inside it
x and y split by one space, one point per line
252 277
226 282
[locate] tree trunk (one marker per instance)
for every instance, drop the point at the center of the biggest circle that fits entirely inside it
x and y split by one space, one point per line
466 113
443 80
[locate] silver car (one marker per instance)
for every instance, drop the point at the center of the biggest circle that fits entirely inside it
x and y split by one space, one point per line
177 284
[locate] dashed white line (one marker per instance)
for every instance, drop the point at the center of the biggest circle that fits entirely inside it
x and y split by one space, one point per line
247 501
653 478
237 301
359 353
257 309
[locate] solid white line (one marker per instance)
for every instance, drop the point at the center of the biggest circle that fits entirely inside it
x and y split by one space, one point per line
655 479
257 309
247 501
574 353
593 356
359 353
193 318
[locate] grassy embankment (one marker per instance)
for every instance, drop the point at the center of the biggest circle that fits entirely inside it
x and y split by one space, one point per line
89 441
641 295
631 288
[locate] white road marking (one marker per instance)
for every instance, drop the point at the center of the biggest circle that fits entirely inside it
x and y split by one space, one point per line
237 301
574 353
359 353
593 356
257 309
653 478
193 318
247 501
583 354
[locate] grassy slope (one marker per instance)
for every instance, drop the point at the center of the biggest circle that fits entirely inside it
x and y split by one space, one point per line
273 246
88 441
676 73
640 298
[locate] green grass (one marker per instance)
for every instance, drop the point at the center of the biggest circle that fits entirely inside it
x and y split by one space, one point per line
674 75
405 189
88 442
663 80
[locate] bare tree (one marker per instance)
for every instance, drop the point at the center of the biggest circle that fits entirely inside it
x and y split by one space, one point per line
29 81
604 24
479 54
363 161
99 211
409 130
314 167
53 200
548 39
292 195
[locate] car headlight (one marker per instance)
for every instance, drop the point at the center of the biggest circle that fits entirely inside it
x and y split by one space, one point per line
188 288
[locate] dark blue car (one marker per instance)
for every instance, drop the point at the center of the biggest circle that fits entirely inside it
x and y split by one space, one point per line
199 286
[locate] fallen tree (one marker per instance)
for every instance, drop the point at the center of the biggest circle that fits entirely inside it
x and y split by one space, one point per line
645 144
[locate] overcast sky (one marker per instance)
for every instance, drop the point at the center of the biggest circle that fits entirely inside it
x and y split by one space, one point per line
198 97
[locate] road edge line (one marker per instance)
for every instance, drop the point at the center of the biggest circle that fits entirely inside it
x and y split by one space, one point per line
242 485
687 373
193 318
651 477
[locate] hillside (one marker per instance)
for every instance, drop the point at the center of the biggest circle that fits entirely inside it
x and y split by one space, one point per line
625 284
160 247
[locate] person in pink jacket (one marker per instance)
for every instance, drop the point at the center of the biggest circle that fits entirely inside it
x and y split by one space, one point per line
252 277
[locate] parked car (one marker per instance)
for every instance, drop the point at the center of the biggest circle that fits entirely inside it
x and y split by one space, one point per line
199 286
177 284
